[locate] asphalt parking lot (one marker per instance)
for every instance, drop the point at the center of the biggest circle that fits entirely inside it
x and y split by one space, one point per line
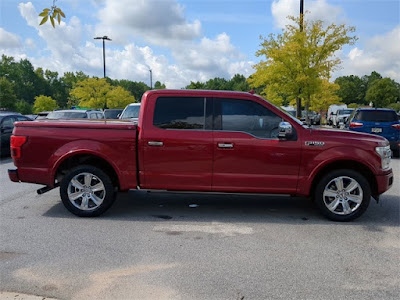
189 246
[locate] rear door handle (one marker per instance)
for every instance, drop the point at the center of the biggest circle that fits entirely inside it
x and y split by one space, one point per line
155 143
225 145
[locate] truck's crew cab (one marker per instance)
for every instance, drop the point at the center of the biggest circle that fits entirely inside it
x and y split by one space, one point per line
188 140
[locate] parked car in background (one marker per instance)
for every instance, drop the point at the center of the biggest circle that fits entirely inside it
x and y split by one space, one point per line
112 113
131 111
290 109
33 117
7 120
42 115
75 114
332 111
379 121
314 118
341 117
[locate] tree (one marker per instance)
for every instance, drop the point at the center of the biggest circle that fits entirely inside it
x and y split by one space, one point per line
369 79
7 95
44 103
137 89
196 86
23 107
352 89
382 92
98 93
325 97
298 61
159 86
118 97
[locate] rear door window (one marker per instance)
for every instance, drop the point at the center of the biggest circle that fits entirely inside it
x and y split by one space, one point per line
180 113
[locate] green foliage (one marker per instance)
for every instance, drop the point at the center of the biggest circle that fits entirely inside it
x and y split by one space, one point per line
53 14
44 103
237 83
137 89
296 62
7 95
159 86
98 93
353 105
352 89
118 97
325 96
23 107
395 106
382 92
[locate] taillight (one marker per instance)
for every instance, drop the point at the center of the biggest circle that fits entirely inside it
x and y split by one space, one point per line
356 124
16 144
396 126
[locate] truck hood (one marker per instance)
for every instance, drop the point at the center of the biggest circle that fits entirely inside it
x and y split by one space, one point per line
345 137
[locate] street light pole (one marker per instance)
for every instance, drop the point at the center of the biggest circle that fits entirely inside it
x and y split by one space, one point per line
298 100
104 50
151 79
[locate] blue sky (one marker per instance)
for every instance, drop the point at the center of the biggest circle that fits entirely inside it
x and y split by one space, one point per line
188 40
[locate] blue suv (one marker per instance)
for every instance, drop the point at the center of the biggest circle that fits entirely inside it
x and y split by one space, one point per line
380 121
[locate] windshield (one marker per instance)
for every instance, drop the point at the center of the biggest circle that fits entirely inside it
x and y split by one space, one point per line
131 111
67 115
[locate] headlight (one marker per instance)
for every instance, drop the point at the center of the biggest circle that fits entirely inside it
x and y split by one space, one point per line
385 154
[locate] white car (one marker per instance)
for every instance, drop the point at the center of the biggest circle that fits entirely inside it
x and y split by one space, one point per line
341 117
131 112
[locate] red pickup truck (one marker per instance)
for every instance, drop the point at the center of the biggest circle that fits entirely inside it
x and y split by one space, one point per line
203 141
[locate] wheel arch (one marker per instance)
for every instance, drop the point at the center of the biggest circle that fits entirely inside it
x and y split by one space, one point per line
86 159
350 165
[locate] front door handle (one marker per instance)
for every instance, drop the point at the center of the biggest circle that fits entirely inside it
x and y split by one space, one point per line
155 143
225 145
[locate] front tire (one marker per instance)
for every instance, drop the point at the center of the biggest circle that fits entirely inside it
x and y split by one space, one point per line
342 195
87 191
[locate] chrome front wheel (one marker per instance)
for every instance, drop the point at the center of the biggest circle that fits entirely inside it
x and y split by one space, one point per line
342 195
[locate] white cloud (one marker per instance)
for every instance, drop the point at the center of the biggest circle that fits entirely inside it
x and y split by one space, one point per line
158 22
318 9
381 53
9 40
64 49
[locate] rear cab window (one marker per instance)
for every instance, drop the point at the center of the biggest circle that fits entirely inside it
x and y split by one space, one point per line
180 113
376 116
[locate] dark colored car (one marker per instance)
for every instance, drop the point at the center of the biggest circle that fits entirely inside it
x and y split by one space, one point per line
7 120
314 118
112 113
379 121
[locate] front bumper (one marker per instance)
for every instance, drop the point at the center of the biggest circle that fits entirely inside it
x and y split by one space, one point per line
384 182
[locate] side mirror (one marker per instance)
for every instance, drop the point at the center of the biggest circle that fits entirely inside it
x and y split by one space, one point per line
285 131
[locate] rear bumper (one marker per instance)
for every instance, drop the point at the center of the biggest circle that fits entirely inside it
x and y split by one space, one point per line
384 182
13 175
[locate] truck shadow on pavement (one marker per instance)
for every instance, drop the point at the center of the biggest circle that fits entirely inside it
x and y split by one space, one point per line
176 207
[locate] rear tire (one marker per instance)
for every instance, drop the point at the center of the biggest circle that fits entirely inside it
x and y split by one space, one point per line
342 195
87 191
